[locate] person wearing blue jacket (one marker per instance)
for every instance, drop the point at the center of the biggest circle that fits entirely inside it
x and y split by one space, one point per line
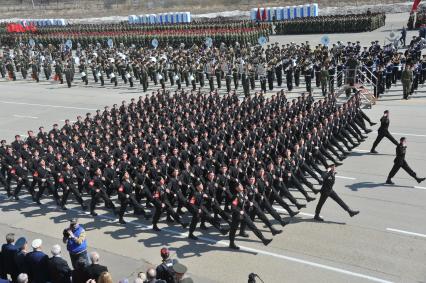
75 238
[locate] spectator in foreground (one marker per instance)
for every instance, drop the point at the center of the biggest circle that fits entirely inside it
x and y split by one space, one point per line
22 278
165 269
142 276
94 270
8 252
151 276
20 261
59 270
180 271
37 262
75 238
105 277
79 274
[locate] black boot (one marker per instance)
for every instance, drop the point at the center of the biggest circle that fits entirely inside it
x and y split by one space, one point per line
318 218
300 206
293 213
155 228
275 231
243 234
192 237
233 246
309 199
266 241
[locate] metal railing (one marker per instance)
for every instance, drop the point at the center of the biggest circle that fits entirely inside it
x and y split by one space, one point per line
361 79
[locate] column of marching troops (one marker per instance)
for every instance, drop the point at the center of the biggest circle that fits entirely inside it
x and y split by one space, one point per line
216 158
142 35
245 67
332 24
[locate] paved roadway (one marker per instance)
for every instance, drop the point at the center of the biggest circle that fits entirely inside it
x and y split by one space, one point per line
386 242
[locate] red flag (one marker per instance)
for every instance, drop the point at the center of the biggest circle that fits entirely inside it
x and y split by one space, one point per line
415 5
12 27
264 17
32 28
258 16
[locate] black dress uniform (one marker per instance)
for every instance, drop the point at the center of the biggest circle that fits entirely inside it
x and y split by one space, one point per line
240 206
20 173
197 207
399 162
162 202
97 192
127 197
327 191
45 180
66 182
383 132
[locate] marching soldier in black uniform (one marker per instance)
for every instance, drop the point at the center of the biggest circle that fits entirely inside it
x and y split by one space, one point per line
240 215
45 180
327 191
20 173
162 196
197 207
97 191
400 162
66 182
127 197
383 132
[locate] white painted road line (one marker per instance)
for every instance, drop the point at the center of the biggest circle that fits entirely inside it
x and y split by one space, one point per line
338 176
257 251
307 214
24 116
278 208
406 232
46 105
310 263
420 188
409 135
406 134
344 177
360 150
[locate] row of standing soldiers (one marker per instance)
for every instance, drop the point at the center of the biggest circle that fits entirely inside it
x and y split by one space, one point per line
331 24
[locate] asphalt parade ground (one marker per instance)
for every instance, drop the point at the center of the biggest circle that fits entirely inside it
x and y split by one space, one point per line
386 242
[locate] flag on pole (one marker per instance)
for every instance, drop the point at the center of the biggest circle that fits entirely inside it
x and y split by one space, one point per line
258 16
415 5
264 17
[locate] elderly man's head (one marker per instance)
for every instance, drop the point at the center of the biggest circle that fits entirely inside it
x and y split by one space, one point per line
22 278
56 250
151 273
94 257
